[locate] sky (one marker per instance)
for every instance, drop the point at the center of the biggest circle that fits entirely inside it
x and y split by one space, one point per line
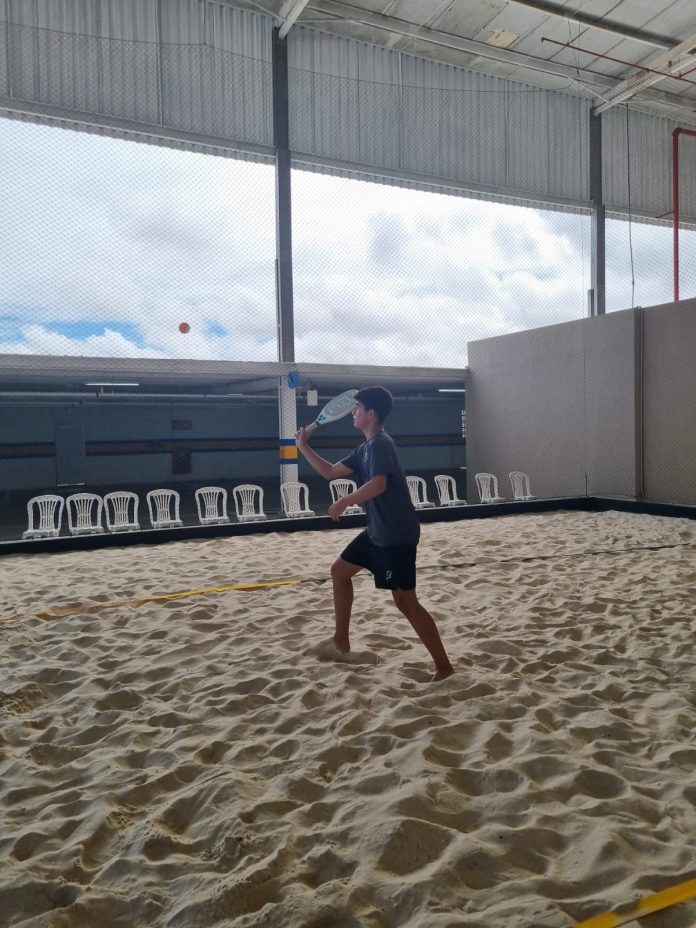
106 246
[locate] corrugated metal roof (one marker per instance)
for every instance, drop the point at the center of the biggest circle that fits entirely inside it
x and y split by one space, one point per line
510 38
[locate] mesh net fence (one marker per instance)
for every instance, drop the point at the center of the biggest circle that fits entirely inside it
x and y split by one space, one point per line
114 248
118 249
110 248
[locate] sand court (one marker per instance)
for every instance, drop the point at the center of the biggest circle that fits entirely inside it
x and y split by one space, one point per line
193 762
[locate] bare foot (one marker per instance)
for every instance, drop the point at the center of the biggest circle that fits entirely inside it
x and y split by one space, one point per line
442 673
329 650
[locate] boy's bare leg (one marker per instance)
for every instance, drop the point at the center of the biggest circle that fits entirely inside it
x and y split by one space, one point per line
342 573
426 629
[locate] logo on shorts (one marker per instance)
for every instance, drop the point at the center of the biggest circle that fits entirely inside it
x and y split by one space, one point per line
388 575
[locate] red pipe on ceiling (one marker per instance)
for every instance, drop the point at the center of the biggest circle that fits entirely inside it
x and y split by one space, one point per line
630 64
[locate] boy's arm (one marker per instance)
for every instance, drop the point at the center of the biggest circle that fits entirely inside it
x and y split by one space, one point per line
327 470
369 490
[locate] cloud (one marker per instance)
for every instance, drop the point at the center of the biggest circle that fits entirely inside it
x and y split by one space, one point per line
37 339
107 234
106 246
651 264
465 270
387 240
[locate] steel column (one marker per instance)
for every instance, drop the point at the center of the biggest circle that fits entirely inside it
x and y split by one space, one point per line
598 292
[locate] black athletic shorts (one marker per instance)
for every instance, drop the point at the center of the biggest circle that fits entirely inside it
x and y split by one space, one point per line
393 567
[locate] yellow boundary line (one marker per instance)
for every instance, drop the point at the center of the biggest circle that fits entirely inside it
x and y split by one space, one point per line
143 600
655 903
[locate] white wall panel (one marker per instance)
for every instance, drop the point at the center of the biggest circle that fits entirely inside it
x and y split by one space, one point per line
648 140
568 158
129 59
455 123
199 67
4 81
527 140
382 109
216 75
344 99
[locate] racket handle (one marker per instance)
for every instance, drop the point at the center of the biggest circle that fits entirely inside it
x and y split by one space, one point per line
310 428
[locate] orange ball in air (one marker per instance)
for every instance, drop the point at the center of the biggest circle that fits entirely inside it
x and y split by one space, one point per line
184 327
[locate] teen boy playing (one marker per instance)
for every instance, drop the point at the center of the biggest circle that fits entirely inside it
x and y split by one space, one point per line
388 546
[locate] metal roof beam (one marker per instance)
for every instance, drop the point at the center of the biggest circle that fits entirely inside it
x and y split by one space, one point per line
289 12
259 385
671 62
354 14
595 22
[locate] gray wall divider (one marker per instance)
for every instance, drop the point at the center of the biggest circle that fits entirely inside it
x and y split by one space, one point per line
669 402
603 406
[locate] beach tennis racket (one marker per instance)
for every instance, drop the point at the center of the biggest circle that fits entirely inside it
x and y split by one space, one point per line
335 409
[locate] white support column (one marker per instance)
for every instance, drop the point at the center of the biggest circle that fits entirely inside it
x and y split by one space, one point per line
287 414
287 426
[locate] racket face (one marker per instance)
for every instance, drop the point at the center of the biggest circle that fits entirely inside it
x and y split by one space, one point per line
338 407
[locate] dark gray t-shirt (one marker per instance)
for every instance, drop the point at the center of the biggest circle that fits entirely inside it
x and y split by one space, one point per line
391 518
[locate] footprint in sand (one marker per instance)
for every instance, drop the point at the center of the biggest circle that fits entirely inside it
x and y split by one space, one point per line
327 651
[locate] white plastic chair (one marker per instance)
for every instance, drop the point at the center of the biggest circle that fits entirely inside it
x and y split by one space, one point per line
118 507
245 497
488 488
159 504
295 499
419 494
520 485
447 491
49 509
211 503
343 487
84 514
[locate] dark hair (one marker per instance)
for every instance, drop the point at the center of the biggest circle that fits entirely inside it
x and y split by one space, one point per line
377 398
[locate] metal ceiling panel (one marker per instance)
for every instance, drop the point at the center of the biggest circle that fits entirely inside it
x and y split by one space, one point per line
412 11
518 20
470 18
668 17
560 31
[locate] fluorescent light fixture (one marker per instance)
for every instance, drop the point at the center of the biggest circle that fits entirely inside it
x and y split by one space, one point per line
105 384
451 390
